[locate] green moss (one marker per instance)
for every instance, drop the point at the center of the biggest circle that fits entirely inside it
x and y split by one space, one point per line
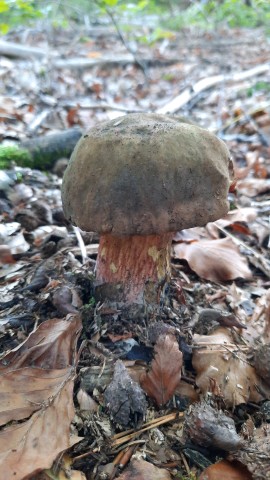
12 153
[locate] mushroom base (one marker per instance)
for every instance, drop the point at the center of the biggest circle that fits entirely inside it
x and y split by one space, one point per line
133 269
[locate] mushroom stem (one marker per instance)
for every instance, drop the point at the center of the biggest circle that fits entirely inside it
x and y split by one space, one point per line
136 267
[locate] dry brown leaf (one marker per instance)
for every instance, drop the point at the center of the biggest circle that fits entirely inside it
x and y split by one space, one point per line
24 390
38 377
236 219
65 473
215 260
187 391
245 214
222 367
165 373
253 186
142 470
225 470
33 445
48 347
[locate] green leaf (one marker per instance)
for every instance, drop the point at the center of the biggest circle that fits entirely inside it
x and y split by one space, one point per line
4 28
110 3
3 6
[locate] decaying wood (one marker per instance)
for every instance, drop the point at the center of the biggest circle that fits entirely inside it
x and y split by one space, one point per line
49 148
11 49
204 84
109 61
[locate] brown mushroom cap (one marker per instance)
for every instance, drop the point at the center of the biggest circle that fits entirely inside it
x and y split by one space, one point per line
145 174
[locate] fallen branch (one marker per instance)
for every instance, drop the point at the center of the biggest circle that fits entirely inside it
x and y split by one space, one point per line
109 61
10 49
40 152
191 93
85 105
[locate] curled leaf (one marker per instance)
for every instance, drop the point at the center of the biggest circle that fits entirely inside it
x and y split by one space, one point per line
215 260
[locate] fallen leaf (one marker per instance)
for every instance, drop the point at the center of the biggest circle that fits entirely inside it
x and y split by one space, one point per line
37 379
6 255
116 338
225 470
23 391
247 214
222 366
33 445
48 347
86 402
165 373
142 470
253 186
215 260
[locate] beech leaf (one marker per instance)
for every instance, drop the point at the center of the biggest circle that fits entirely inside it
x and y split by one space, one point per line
253 186
37 379
33 445
225 470
142 470
165 373
222 367
215 260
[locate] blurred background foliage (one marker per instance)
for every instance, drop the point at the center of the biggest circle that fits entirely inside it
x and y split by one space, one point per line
162 14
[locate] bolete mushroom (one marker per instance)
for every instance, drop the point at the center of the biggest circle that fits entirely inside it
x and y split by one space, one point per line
136 180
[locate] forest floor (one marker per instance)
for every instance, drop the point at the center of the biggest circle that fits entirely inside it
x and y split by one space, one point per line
86 391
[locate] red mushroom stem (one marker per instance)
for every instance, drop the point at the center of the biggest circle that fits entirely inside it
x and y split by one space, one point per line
138 266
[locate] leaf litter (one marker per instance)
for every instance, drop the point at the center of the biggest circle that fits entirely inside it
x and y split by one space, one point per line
216 377
36 387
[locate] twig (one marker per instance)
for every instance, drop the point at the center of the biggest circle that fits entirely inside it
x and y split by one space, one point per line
237 119
123 40
258 260
100 106
124 437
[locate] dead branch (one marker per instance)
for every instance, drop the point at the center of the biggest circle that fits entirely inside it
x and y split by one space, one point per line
191 93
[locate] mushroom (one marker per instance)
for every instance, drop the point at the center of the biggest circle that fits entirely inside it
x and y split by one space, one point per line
136 180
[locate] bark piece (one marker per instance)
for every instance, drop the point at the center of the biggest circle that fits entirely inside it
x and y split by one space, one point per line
124 398
210 427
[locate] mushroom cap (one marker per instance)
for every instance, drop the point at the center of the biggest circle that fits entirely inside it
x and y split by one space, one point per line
145 174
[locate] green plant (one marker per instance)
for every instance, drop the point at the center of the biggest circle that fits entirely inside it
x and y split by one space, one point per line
91 303
258 87
16 12
12 153
234 13
190 476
